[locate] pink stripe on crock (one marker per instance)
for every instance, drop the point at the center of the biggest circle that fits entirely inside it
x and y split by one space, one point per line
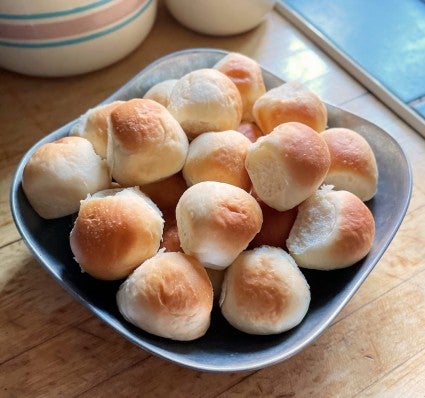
73 27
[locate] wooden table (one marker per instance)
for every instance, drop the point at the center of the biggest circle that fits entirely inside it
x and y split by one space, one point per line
50 345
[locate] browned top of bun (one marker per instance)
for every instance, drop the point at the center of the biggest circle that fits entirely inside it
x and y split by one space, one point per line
112 235
172 285
349 149
138 122
247 75
291 102
353 164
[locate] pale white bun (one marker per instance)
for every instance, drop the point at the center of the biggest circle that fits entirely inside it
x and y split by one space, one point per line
250 130
145 143
218 156
287 165
115 231
353 164
161 92
248 78
264 292
216 221
333 229
206 100
60 174
290 102
166 193
169 295
93 126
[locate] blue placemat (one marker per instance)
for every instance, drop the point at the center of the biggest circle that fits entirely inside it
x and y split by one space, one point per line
384 37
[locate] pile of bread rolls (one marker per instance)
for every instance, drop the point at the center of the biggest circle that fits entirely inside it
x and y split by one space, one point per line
210 190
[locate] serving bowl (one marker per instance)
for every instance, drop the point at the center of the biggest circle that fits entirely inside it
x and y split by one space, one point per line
61 38
223 348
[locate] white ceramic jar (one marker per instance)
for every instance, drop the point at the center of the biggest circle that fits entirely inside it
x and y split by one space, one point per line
69 37
220 17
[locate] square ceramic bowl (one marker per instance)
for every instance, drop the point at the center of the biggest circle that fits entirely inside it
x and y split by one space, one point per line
223 348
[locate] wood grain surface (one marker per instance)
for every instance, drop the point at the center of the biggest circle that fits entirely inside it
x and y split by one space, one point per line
51 346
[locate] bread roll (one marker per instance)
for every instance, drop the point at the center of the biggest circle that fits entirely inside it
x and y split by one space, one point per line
166 193
264 292
287 165
353 165
93 126
115 231
216 221
276 227
333 229
250 130
218 157
146 143
290 102
206 100
60 174
248 78
169 295
161 92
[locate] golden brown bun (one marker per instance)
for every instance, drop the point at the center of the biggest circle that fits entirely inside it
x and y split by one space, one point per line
290 102
169 295
333 229
161 92
276 227
353 164
146 143
287 165
166 193
115 231
206 100
60 174
264 292
216 221
218 157
248 78
93 126
250 130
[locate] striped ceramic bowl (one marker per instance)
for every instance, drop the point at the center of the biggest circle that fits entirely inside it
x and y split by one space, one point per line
69 37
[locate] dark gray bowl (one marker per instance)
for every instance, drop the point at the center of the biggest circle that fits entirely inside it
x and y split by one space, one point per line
223 348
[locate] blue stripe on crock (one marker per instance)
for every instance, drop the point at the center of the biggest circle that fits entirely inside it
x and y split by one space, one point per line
55 14
78 39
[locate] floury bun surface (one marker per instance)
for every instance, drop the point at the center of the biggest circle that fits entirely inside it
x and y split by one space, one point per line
169 295
115 231
290 102
353 165
205 100
93 125
218 157
216 221
248 78
264 292
60 174
333 229
161 91
146 143
287 165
